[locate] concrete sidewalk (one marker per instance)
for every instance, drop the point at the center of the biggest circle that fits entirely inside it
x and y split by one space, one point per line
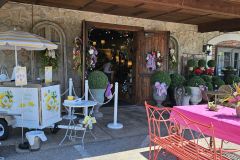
129 143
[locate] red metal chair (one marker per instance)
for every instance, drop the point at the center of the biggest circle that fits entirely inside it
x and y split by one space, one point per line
179 135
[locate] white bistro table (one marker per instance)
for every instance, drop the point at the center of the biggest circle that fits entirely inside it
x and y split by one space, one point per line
71 106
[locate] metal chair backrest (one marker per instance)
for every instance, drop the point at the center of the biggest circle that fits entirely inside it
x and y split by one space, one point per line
170 127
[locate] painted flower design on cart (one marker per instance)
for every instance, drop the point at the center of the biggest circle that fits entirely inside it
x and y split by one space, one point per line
6 99
51 101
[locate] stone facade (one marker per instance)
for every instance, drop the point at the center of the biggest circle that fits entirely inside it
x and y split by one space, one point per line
20 15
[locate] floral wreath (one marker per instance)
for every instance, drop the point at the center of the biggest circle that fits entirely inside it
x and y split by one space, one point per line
77 54
154 60
91 58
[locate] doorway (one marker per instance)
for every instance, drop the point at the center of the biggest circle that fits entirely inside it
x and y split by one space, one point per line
228 56
115 58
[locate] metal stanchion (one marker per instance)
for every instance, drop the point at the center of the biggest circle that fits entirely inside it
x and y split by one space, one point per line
115 125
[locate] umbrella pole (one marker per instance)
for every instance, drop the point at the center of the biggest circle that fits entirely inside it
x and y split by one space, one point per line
16 61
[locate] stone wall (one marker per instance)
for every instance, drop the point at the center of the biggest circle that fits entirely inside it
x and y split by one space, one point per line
20 15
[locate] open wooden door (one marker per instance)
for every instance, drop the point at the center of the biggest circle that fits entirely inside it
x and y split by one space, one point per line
149 41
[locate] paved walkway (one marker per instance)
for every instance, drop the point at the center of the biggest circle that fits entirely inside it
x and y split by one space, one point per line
129 143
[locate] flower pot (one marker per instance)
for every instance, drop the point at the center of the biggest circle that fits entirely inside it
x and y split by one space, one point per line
196 95
185 101
98 95
158 99
238 111
178 95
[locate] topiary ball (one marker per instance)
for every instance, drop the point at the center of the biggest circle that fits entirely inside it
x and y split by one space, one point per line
209 86
211 63
231 79
201 63
191 63
97 80
196 81
162 77
177 80
217 82
206 78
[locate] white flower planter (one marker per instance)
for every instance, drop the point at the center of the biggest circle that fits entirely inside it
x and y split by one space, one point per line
185 101
196 97
98 95
158 99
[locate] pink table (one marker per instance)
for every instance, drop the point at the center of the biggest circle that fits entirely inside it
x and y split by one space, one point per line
226 124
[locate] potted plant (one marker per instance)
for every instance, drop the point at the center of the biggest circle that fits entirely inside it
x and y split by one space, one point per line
217 82
97 84
211 64
196 93
227 71
160 81
186 96
202 64
176 90
231 79
206 78
191 64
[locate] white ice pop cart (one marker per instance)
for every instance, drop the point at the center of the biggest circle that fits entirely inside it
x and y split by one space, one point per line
34 106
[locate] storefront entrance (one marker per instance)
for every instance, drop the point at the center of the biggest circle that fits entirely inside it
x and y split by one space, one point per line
122 52
116 59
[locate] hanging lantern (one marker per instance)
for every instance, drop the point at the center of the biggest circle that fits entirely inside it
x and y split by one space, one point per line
117 58
94 43
129 63
103 42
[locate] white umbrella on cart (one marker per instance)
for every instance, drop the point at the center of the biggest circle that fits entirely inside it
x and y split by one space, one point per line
17 40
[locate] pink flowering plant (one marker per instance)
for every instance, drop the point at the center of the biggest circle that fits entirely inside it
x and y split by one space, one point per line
161 88
154 60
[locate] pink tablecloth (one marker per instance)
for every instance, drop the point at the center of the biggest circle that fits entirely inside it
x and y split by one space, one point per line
226 124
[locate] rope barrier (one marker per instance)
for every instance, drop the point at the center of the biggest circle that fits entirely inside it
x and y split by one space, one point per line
76 94
64 92
100 102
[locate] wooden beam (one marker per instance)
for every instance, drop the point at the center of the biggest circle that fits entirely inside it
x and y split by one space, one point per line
113 26
165 13
194 17
138 13
229 25
87 4
139 5
111 8
221 7
2 2
210 6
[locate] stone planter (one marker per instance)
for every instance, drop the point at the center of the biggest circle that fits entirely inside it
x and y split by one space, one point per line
158 99
98 95
238 111
196 95
185 101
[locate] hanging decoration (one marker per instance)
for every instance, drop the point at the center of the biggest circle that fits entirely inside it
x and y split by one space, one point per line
172 58
77 54
154 60
91 58
49 58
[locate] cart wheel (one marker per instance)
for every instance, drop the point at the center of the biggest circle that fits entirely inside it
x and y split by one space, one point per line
4 129
55 129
